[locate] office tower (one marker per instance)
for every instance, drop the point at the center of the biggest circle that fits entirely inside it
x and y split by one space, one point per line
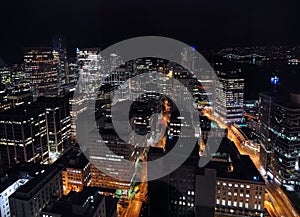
265 101
189 59
203 86
229 97
23 136
228 185
41 71
4 102
60 55
77 106
179 126
16 90
279 117
205 90
27 188
188 80
18 79
87 203
251 107
114 61
99 157
73 72
5 76
58 121
90 62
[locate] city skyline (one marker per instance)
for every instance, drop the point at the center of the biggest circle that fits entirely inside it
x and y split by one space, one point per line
149 109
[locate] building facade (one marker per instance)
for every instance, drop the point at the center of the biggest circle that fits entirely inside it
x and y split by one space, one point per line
279 118
229 98
76 173
27 188
41 70
58 121
23 136
230 184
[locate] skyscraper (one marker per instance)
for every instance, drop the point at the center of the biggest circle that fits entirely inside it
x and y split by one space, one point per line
41 70
229 97
89 62
58 121
279 117
266 102
23 136
60 54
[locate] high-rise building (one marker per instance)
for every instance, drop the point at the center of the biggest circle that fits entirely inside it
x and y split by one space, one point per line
89 62
35 131
26 189
229 97
120 150
41 70
189 59
203 87
265 101
6 76
18 79
5 104
73 72
279 118
77 106
60 54
14 90
23 136
58 121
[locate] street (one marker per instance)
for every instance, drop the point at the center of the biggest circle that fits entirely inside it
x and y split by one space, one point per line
278 203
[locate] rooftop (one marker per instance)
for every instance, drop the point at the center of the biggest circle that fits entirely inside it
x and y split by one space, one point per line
73 158
88 200
243 167
23 112
36 173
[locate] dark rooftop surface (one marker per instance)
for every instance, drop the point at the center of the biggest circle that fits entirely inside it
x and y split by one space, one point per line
79 198
287 100
73 158
36 173
22 112
227 154
243 167
110 205
65 205
248 132
243 170
294 198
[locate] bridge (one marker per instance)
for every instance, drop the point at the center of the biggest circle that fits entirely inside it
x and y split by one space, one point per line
249 56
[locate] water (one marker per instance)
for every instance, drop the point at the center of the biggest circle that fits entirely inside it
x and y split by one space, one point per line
258 77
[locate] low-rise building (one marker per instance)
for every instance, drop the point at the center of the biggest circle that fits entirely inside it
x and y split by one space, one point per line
87 203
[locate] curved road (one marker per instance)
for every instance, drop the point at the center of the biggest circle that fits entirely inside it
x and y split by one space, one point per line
280 205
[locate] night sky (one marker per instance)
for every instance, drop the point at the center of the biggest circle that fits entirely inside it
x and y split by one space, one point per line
98 23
